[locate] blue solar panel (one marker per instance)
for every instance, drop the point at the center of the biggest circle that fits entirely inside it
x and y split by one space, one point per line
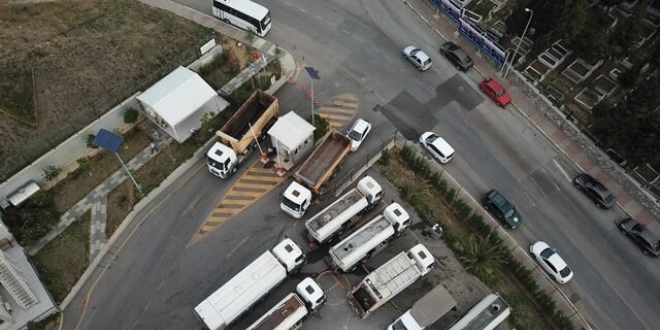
108 140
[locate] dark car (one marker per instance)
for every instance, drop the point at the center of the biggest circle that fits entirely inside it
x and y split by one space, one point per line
595 190
502 209
642 236
456 55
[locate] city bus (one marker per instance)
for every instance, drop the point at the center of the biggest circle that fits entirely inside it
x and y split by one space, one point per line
244 14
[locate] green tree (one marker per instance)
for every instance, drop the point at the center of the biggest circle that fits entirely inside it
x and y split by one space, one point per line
627 33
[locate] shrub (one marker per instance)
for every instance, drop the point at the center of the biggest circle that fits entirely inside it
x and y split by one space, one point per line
90 141
384 157
131 115
51 172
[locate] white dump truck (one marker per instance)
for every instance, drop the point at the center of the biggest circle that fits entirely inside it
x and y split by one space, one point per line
426 311
486 315
251 284
370 238
238 138
291 311
335 218
388 280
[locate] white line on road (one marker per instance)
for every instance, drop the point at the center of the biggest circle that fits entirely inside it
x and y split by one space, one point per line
333 25
319 17
562 170
303 10
360 40
346 32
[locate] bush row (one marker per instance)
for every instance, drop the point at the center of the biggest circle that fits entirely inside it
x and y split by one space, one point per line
479 227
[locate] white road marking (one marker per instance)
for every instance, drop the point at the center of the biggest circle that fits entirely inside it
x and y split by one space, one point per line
360 40
562 170
319 17
333 25
303 10
346 32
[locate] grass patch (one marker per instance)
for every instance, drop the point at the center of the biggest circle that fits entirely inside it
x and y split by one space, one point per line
65 258
120 203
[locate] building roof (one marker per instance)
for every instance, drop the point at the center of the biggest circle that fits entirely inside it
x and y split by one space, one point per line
177 95
290 130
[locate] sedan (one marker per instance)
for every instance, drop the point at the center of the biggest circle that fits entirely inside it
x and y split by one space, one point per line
437 146
358 133
642 236
495 92
551 262
594 190
456 55
417 57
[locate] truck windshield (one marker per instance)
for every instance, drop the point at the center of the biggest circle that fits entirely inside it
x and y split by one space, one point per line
291 204
221 166
398 325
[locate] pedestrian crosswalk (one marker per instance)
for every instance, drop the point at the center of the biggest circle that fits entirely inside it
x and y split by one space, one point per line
339 110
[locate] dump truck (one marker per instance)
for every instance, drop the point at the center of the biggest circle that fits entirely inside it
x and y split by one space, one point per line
426 311
388 280
369 239
291 311
324 161
238 138
485 315
336 217
250 285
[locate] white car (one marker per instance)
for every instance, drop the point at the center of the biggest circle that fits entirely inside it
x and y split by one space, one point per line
437 146
358 133
417 57
551 262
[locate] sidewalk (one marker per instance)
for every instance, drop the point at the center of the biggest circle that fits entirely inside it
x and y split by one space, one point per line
550 121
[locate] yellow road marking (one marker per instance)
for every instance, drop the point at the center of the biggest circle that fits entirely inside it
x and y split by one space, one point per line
236 248
161 285
253 186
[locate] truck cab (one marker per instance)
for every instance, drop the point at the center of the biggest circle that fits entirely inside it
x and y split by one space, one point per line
312 294
423 258
296 200
290 255
221 160
371 190
398 217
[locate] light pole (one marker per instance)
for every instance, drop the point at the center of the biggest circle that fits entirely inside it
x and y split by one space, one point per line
313 75
531 13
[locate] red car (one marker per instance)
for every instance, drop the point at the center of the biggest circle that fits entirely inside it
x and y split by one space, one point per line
495 92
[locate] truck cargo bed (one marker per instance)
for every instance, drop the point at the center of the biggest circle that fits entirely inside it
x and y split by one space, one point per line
239 124
318 168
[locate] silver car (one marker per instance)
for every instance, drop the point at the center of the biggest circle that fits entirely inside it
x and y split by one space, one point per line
417 57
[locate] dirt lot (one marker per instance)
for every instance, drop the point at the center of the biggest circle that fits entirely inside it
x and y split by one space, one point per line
82 60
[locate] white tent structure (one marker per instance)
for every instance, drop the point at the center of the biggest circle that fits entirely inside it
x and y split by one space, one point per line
177 102
293 139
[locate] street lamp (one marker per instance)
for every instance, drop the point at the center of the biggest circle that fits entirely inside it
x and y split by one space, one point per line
531 13
313 75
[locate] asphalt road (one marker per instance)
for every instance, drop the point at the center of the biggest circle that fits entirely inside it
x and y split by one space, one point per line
155 279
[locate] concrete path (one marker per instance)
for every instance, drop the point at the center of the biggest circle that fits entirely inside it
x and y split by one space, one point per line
97 199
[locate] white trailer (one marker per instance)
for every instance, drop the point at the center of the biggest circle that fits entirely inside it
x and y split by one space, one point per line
388 280
426 311
251 284
370 238
486 315
289 313
335 218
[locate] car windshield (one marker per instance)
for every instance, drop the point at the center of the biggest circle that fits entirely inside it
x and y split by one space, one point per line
431 138
398 325
414 51
355 135
547 253
499 92
291 204
509 213
564 272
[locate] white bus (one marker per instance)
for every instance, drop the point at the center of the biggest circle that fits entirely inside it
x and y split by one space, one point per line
245 14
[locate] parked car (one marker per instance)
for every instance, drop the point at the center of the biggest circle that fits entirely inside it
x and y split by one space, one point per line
642 236
358 133
495 91
456 55
437 146
502 209
417 57
551 262
594 190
